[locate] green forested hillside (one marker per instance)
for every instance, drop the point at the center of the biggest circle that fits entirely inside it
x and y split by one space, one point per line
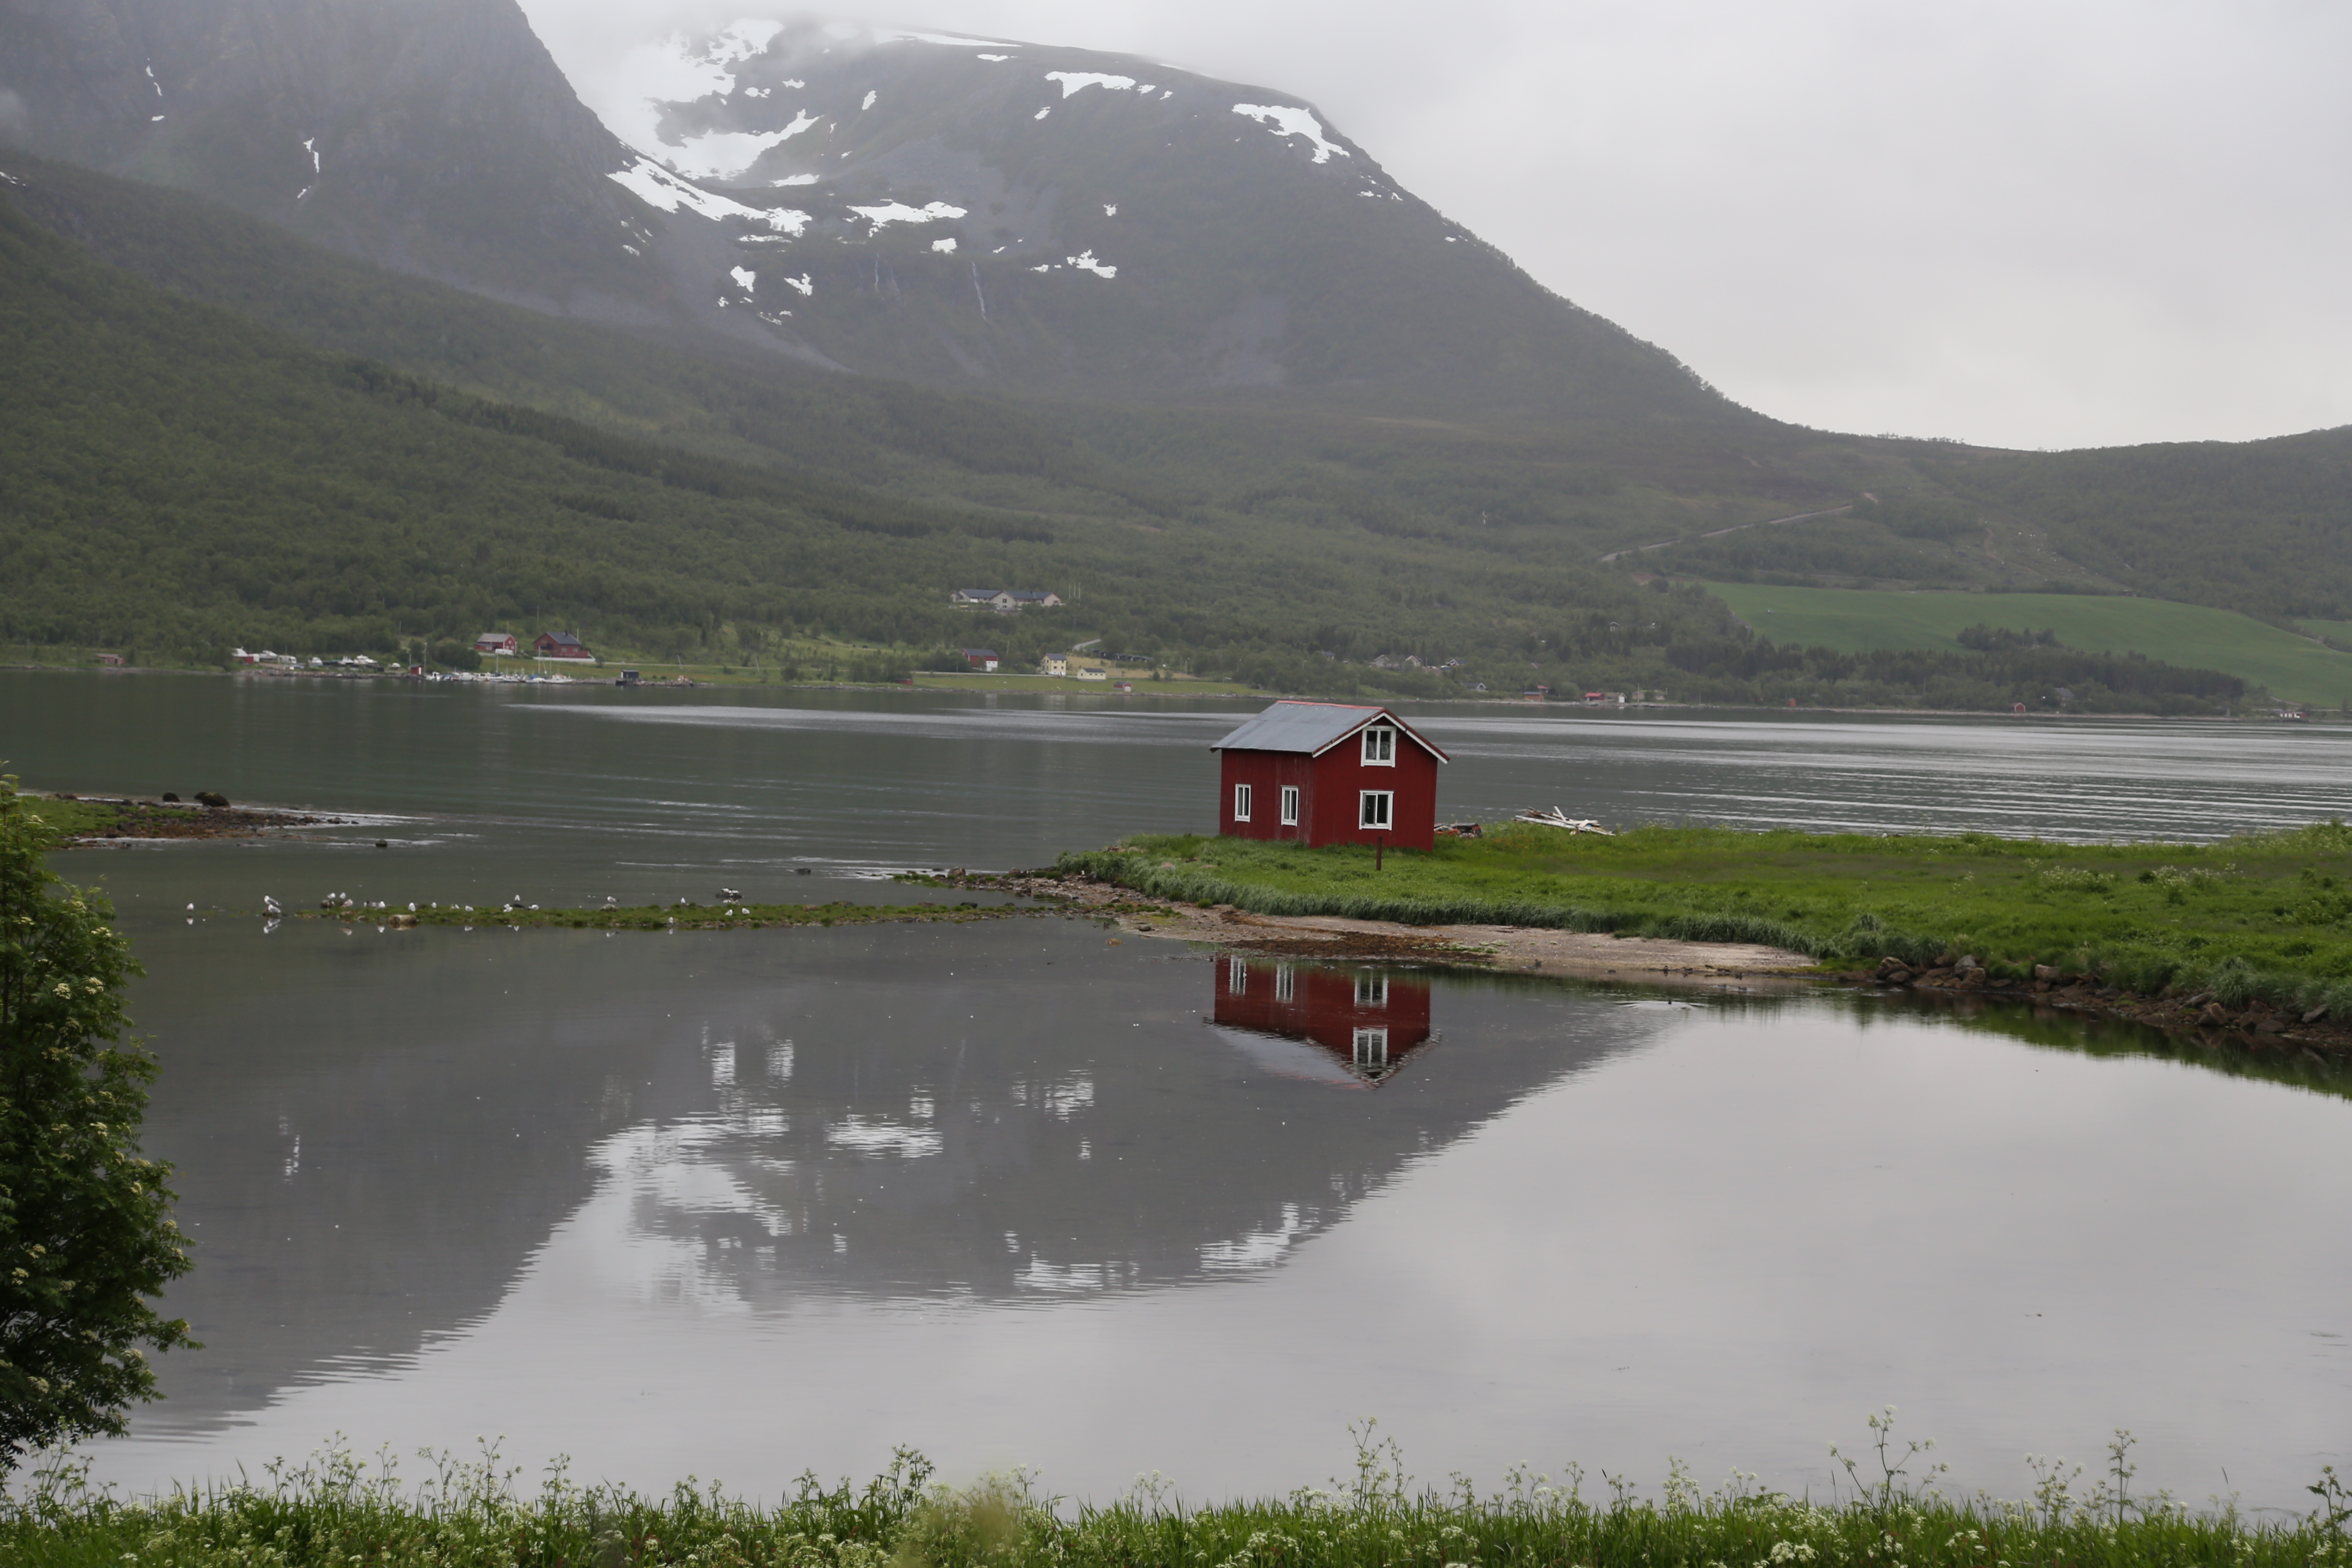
191 479
736 403
2259 526
183 479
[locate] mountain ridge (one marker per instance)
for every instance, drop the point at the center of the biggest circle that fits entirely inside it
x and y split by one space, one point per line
917 206
1072 221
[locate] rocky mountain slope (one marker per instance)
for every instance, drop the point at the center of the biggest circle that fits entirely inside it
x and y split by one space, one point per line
1071 221
435 136
957 211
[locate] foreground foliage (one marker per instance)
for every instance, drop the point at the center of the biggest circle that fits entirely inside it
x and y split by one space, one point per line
86 1237
335 1512
2263 915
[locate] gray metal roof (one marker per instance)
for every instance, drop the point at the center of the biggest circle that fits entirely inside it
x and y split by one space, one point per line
1311 728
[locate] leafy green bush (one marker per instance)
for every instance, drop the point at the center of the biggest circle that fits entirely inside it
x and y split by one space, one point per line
86 1234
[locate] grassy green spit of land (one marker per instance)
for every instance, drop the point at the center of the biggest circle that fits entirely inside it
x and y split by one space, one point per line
334 1513
2266 915
662 917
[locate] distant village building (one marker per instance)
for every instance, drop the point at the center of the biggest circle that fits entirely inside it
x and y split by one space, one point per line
498 643
559 645
1054 664
980 658
109 659
1330 773
1091 672
1004 601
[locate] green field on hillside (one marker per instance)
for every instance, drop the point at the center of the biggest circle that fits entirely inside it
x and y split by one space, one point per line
2294 669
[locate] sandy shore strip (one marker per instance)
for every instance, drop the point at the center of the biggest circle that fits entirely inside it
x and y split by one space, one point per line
1585 955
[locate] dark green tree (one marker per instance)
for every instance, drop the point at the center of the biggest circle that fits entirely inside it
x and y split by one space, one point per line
85 1235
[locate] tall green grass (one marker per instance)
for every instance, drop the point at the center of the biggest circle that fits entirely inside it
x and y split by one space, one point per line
335 1512
2266 915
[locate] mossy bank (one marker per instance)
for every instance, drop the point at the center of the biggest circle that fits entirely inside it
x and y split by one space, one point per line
2259 923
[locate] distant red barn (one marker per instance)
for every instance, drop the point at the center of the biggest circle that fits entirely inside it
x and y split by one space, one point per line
559 645
1330 773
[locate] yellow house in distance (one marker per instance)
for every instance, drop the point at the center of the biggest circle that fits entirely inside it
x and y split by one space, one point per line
1054 664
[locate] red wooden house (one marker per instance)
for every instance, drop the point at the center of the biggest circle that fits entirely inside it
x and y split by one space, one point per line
559 645
1330 773
1352 1027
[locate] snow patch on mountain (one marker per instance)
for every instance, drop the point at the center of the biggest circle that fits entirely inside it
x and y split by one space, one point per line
948 39
992 58
1076 81
945 247
657 187
722 153
1284 120
890 212
675 68
742 38
1085 262
744 276
803 283
870 96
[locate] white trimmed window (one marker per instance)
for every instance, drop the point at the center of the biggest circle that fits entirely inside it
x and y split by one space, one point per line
1237 977
1285 983
1290 805
1372 990
1241 802
1371 1047
1375 808
1380 747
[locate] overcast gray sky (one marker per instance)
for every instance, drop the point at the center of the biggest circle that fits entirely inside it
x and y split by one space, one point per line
2031 223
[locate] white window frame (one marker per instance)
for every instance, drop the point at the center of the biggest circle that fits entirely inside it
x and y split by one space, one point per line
1285 983
1241 802
1237 978
1386 821
1290 805
1371 1047
1379 738
1372 990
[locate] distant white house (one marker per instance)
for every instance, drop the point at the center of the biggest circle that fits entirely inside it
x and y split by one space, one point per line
1093 672
1003 601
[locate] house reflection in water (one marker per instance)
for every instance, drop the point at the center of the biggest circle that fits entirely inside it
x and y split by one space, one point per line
1331 1023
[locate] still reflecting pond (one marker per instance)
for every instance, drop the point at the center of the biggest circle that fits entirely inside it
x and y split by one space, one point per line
735 1204
724 1204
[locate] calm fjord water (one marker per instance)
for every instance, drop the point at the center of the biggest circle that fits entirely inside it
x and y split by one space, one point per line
737 1203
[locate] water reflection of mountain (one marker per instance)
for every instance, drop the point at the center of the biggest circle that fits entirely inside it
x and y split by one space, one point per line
375 1134
1088 1141
1344 1025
